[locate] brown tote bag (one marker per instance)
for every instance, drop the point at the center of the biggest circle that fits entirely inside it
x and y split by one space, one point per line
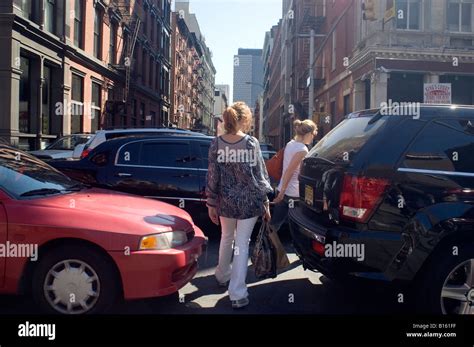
275 165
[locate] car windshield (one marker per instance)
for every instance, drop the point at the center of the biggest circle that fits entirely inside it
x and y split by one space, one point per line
348 137
68 143
22 175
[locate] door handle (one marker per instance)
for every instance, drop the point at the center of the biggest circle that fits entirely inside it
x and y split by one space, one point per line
184 175
122 174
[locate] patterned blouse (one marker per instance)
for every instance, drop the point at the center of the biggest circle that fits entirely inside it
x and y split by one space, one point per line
237 178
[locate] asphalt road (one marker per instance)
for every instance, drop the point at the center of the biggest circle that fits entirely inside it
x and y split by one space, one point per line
294 291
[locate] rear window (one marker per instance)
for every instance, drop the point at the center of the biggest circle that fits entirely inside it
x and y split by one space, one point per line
347 139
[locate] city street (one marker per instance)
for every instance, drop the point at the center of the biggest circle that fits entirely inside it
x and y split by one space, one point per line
294 291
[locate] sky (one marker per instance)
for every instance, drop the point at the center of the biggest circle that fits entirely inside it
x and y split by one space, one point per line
229 25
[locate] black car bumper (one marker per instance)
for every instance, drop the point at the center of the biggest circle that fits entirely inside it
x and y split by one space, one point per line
306 233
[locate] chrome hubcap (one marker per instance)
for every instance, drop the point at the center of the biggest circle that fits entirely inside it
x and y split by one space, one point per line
72 287
457 295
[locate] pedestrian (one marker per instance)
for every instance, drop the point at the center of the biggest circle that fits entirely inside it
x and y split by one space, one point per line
237 188
288 188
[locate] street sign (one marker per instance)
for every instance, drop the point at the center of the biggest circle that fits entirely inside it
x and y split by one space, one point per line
437 93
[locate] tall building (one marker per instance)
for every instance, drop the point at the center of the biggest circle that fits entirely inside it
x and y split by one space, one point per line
221 99
220 104
248 76
204 71
68 67
225 88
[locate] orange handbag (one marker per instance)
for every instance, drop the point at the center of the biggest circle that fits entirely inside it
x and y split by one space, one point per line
275 165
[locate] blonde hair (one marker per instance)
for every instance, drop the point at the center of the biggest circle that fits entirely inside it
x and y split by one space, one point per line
237 113
304 127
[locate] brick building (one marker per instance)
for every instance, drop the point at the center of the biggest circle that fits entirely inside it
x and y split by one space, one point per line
200 115
68 67
359 63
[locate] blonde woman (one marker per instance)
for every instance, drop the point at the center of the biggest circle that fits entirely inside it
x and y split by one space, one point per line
237 188
288 188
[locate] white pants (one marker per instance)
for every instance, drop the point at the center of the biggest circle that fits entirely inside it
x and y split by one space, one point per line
239 230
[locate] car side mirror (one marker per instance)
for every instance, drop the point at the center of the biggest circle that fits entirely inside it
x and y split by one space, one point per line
78 151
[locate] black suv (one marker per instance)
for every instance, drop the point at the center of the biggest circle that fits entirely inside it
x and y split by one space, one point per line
169 167
391 197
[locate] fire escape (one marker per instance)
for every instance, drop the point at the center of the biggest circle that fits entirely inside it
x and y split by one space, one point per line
131 22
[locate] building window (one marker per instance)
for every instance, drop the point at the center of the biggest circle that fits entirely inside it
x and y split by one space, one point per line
153 119
110 111
150 78
46 107
50 15
347 104
158 76
144 75
142 114
78 23
28 9
134 113
25 96
98 33
113 43
460 15
125 57
96 107
334 55
152 30
77 97
409 17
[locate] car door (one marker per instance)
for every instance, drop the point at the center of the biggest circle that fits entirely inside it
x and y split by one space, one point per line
124 172
3 237
172 170
162 169
202 149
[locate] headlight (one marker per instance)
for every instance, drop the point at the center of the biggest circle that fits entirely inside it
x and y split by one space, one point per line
163 241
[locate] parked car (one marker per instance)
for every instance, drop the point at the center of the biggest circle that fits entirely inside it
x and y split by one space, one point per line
94 246
103 135
166 167
267 151
63 147
401 189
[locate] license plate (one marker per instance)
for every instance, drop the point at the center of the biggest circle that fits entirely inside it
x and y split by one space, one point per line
308 195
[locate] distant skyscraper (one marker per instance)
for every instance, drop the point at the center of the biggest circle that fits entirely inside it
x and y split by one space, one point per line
248 76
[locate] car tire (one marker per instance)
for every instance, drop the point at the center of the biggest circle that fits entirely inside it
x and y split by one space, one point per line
67 276
443 278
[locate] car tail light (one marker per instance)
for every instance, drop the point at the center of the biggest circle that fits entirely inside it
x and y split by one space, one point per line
360 196
85 153
318 247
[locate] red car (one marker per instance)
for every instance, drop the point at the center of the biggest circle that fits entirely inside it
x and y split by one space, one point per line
79 250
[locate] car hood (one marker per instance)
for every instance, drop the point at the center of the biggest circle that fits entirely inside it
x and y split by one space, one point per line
53 154
99 209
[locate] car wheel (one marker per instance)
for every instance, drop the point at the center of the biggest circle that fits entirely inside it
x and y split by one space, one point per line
75 280
448 287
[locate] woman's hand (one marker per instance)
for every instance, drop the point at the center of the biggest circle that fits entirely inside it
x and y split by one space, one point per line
213 215
267 216
279 198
